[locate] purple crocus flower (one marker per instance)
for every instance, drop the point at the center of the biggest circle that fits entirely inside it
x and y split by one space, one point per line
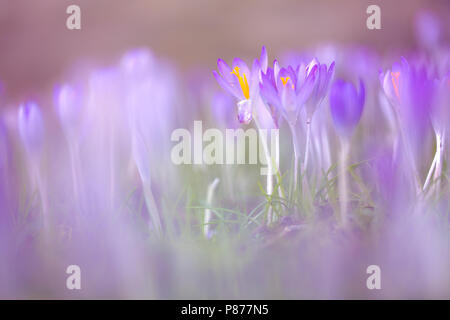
287 89
31 126
323 76
408 88
346 104
411 91
242 82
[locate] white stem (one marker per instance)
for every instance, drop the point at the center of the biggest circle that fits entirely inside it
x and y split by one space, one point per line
207 219
296 154
343 192
439 153
111 165
152 208
76 179
308 138
430 172
305 184
410 157
269 182
39 181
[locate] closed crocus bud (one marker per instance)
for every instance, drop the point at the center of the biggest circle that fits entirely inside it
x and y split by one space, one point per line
68 103
31 126
346 106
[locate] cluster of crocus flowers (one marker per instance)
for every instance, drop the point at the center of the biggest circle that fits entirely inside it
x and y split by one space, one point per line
283 90
108 158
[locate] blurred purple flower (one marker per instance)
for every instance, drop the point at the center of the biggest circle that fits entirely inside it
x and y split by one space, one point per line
411 91
242 82
427 30
346 105
68 103
136 66
31 126
221 104
286 90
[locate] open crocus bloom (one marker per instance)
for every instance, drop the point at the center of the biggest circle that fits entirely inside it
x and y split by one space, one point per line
391 81
242 82
287 89
346 106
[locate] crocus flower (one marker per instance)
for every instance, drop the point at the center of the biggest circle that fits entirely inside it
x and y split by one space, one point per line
346 104
408 88
323 76
242 82
287 89
411 91
31 126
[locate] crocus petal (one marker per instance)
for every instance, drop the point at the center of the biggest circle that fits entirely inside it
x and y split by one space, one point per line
264 59
234 90
268 89
225 71
255 78
243 68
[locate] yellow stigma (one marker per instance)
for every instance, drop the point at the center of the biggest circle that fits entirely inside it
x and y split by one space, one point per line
395 82
284 80
242 81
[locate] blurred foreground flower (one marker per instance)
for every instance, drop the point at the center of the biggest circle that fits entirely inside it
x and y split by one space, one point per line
31 127
31 130
68 104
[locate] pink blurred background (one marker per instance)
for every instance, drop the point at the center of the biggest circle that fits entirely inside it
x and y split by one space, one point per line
37 51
